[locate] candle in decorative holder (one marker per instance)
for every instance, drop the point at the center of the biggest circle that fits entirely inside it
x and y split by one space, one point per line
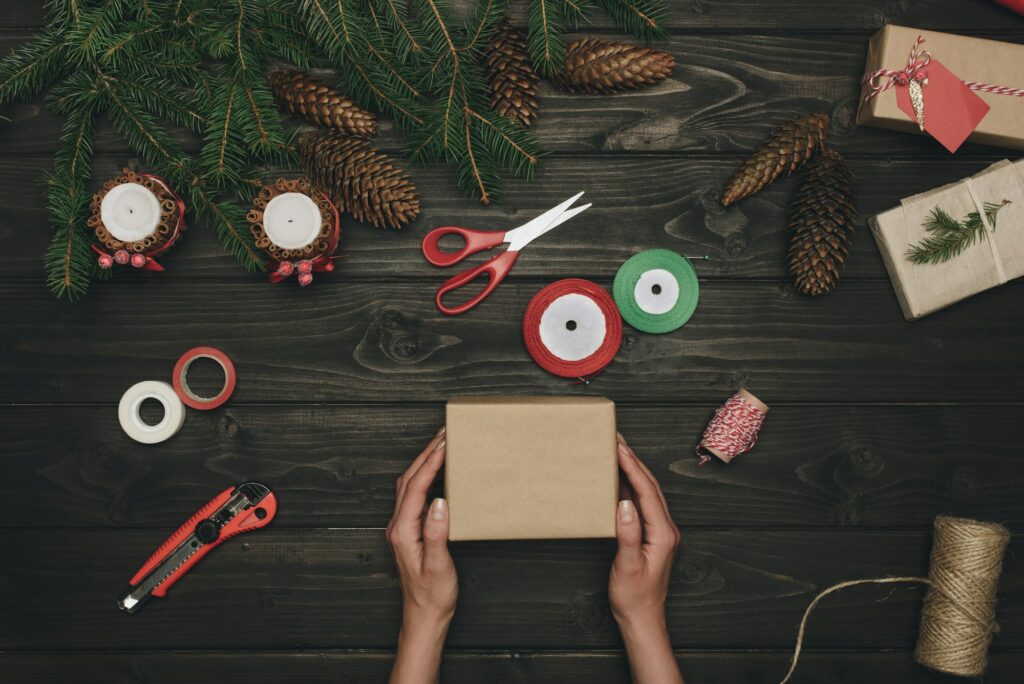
298 227
136 217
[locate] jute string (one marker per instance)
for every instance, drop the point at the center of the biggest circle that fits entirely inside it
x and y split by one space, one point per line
958 615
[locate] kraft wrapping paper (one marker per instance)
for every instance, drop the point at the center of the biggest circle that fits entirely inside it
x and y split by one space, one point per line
925 288
972 59
531 468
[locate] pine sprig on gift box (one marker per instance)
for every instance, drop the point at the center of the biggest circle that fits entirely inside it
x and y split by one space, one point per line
949 237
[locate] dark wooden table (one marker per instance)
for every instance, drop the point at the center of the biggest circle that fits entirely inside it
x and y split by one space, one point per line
877 424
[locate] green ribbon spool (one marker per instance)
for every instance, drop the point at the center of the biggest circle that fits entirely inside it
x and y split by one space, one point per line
656 291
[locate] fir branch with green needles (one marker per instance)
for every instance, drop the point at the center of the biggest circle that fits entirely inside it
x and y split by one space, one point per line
155 68
948 237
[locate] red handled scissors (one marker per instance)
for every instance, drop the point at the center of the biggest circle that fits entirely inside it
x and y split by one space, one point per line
478 240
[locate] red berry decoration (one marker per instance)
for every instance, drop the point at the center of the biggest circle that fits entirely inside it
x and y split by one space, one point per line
286 268
121 257
305 279
138 260
921 74
105 261
305 267
902 78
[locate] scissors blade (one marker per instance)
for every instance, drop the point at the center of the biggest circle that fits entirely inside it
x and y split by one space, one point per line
526 233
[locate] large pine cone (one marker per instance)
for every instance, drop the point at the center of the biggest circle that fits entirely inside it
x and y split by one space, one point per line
593 65
359 178
512 76
319 104
780 155
822 219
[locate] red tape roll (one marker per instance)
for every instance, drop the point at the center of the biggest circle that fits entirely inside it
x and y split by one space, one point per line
572 328
185 393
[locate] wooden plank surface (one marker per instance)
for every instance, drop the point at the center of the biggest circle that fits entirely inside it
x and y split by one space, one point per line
680 212
516 667
724 96
738 15
877 424
335 466
384 341
336 588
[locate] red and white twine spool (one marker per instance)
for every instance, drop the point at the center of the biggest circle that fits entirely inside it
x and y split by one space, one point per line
572 328
733 430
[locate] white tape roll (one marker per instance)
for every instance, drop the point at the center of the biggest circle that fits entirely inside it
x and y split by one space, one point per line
656 291
573 327
138 429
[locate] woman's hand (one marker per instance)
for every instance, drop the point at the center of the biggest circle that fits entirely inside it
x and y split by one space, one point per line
638 586
419 541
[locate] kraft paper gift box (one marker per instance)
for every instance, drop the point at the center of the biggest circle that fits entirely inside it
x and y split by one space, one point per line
970 59
531 468
924 288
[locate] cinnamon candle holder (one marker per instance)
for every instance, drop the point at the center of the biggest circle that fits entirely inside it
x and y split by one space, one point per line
297 226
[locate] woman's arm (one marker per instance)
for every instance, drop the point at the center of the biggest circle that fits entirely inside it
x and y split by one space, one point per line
419 542
638 586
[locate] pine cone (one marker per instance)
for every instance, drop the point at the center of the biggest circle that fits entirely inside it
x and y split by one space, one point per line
513 79
320 104
821 217
780 155
359 178
593 65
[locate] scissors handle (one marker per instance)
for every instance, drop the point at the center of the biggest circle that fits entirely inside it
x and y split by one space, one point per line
496 269
476 241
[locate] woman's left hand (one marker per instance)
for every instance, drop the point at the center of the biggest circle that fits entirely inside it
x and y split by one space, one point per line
419 541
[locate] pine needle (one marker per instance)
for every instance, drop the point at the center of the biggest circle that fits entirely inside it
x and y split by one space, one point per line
948 237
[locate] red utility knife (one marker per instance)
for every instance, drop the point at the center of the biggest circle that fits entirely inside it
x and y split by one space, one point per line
246 507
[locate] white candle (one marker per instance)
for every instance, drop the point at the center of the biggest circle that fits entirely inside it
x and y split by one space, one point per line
292 220
130 212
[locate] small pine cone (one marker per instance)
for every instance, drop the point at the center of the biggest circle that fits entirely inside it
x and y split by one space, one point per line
821 218
320 104
512 76
593 65
784 152
360 179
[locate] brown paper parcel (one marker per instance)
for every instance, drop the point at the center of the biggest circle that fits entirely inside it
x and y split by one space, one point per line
924 288
972 59
531 468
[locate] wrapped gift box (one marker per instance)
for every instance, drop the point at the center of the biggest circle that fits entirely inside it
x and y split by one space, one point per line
924 288
531 468
971 59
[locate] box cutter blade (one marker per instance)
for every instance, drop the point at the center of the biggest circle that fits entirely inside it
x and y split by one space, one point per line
244 508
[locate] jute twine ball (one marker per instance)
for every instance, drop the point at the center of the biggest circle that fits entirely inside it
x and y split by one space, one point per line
958 617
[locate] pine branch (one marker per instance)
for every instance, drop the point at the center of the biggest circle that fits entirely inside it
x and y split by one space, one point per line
69 261
644 18
949 237
30 68
546 35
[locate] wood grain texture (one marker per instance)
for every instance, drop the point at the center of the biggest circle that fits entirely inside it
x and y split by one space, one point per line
738 15
725 95
679 196
346 667
731 589
335 466
384 341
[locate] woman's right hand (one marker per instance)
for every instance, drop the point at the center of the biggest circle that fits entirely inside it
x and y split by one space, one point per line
638 586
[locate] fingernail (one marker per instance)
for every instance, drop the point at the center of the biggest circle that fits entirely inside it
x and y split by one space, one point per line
439 509
441 431
440 445
623 449
626 511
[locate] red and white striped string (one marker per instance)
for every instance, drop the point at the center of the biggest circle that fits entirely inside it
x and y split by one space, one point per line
732 431
919 59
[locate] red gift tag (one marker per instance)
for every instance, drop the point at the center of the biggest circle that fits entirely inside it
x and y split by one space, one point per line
951 110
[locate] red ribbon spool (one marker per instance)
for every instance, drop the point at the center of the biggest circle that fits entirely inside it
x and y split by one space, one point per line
550 338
